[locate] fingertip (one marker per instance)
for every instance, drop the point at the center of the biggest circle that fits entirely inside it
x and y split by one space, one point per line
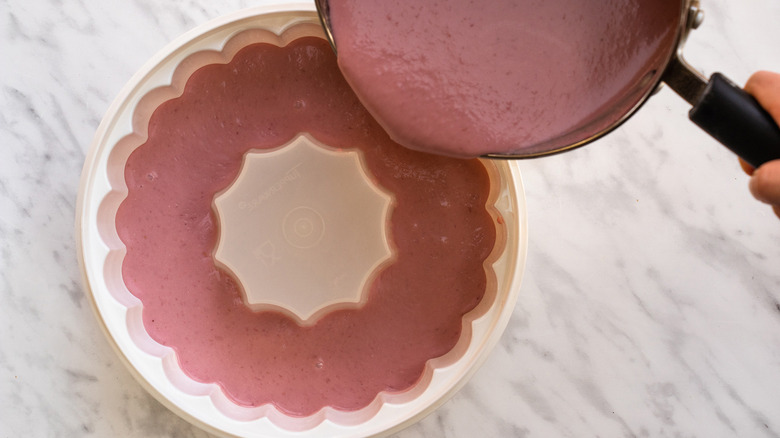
765 183
760 79
765 87
753 187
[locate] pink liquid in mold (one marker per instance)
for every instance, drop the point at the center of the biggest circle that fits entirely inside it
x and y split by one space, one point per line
466 77
262 99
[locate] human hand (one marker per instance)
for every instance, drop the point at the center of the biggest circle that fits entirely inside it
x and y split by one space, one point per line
765 181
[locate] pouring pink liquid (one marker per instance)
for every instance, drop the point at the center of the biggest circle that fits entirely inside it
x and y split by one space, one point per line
467 78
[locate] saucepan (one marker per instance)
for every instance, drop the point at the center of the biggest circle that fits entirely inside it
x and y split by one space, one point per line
721 108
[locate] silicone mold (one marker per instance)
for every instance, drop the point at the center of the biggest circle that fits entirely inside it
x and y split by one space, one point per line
101 252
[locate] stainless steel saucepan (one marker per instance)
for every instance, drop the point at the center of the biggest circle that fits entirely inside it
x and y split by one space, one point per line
722 109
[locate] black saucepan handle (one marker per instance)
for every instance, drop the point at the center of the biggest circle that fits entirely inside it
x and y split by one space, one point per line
735 118
726 112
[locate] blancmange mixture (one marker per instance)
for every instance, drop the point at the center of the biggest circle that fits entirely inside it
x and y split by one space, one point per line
466 77
440 229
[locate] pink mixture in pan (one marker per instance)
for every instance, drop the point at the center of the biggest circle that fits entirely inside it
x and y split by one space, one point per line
262 99
467 77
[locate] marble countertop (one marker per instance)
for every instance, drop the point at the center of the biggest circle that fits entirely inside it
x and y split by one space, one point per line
650 304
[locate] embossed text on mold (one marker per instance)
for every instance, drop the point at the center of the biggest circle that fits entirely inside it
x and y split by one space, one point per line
290 176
